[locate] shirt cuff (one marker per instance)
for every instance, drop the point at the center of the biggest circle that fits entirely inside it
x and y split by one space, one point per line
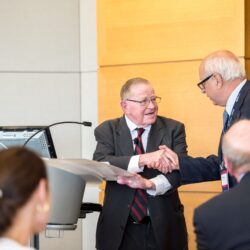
162 185
133 166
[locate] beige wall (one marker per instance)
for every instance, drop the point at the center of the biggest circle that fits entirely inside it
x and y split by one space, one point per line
164 42
48 73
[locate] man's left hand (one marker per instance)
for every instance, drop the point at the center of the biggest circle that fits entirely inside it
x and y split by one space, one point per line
136 181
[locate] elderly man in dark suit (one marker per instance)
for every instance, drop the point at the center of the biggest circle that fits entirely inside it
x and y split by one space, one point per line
149 218
224 221
223 80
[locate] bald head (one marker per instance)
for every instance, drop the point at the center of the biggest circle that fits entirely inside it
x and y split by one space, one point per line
225 63
236 144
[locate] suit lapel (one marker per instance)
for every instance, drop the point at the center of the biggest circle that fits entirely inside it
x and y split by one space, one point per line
237 111
123 133
243 93
155 136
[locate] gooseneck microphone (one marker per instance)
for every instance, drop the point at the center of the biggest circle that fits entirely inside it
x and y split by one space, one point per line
88 124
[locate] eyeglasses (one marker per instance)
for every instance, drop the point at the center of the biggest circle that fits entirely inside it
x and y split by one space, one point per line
146 101
201 84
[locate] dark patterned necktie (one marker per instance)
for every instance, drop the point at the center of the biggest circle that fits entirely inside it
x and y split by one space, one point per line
139 206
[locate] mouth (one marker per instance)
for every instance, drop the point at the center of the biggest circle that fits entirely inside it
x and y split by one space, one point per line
152 113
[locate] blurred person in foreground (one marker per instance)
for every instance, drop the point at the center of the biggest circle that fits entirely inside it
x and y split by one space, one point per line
223 80
24 197
224 221
151 217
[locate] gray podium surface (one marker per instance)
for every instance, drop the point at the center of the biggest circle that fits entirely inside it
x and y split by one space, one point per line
67 181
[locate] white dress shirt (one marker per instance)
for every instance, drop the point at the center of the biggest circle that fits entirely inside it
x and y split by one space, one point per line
232 98
161 182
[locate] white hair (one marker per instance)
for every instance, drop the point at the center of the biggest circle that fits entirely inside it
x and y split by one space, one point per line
225 63
236 144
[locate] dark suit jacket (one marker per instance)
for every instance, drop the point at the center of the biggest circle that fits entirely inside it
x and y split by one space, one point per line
208 169
223 223
114 144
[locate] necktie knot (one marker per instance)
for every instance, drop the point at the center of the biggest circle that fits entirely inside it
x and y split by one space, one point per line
138 142
140 131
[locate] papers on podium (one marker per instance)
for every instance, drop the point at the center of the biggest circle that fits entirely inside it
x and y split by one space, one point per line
90 171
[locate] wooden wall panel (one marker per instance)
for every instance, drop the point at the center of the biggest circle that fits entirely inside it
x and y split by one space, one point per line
139 31
192 200
164 42
181 100
247 32
247 63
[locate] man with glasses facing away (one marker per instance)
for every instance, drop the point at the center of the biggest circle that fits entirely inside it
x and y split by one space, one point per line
223 80
149 218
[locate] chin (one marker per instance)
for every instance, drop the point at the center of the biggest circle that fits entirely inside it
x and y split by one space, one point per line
150 121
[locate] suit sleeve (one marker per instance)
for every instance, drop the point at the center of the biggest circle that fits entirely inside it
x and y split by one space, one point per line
105 148
179 140
244 110
199 169
179 146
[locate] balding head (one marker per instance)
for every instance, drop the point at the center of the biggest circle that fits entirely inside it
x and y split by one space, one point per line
225 63
236 146
223 73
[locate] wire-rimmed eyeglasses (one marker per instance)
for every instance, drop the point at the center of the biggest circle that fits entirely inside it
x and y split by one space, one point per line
145 102
201 84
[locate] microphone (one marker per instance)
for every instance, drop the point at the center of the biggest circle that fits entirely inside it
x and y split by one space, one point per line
136 141
88 124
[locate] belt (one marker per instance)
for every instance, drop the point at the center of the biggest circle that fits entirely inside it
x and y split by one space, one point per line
145 220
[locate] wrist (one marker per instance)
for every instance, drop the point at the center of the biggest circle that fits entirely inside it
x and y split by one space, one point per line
150 185
143 160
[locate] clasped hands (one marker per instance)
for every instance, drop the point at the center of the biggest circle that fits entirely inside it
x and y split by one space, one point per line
164 160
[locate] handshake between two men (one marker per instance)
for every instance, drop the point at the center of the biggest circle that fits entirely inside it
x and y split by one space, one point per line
164 160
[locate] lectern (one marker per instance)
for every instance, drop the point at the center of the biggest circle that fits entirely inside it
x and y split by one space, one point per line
67 180
67 177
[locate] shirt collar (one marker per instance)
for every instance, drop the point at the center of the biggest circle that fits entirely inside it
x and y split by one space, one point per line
242 175
132 126
232 98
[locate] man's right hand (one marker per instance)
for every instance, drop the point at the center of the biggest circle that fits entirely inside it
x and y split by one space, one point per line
165 160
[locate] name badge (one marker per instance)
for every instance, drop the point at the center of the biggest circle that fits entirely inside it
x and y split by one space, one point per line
224 179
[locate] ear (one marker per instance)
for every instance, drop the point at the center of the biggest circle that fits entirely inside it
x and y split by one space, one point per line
123 106
42 191
42 206
228 165
219 80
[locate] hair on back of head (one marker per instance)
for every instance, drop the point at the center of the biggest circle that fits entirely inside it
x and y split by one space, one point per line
236 144
20 173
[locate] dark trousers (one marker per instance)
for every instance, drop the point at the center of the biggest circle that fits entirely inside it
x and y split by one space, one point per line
138 236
